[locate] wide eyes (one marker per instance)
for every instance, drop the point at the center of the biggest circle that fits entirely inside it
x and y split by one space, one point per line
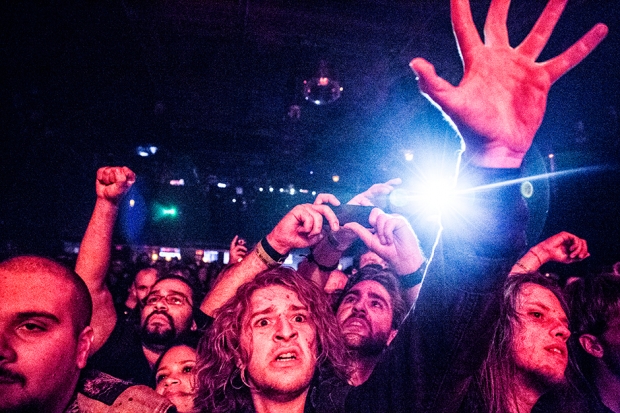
297 318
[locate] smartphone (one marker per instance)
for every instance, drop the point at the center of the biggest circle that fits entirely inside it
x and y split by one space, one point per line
353 213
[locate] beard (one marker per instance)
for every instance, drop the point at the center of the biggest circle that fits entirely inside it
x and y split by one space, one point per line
158 335
366 346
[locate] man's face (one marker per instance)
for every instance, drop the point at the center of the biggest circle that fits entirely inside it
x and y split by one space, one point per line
539 344
167 312
144 281
365 317
40 355
280 337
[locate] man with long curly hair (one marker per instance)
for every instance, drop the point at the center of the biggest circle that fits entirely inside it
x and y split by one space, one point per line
266 344
429 366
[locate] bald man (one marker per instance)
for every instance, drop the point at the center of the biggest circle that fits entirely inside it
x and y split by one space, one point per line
45 339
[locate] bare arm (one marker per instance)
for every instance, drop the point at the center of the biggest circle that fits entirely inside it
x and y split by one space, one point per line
499 104
563 247
300 228
394 240
327 252
95 250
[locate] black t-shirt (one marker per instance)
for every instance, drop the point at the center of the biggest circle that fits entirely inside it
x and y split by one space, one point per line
122 356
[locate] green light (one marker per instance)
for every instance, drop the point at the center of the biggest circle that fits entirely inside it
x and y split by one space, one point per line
171 212
164 212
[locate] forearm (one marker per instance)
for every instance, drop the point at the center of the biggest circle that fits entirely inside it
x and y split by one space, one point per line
95 250
530 262
230 280
322 260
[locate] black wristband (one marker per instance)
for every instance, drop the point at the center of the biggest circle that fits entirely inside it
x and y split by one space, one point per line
324 268
273 254
413 279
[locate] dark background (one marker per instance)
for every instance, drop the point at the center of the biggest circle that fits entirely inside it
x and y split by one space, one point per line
217 87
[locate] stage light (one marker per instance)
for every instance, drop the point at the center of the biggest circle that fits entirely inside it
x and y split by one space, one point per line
408 156
172 212
221 185
335 178
146 150
426 198
132 202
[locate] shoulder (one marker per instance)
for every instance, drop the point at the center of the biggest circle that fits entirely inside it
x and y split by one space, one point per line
99 391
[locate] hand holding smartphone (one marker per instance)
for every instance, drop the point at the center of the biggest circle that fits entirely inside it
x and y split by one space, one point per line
353 213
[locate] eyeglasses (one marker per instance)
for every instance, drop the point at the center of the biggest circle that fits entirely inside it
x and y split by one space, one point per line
171 299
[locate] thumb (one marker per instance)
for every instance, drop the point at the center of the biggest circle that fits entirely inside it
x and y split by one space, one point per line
365 235
430 84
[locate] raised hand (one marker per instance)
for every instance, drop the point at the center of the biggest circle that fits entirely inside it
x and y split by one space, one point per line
563 247
301 227
237 250
499 104
113 182
376 195
393 240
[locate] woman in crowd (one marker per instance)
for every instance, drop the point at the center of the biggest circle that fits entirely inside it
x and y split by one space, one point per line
175 376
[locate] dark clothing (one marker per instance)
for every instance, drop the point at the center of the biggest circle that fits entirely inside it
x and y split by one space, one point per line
441 344
443 341
101 393
578 399
122 355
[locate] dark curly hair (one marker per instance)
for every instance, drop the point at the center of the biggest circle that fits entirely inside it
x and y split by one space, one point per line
222 362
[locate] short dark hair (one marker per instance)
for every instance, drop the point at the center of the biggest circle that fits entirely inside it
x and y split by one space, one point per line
221 360
594 302
192 287
388 280
81 301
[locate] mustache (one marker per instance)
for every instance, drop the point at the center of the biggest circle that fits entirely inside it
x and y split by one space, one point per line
357 317
9 375
159 312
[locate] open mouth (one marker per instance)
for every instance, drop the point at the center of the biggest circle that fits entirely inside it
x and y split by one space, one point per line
284 357
556 350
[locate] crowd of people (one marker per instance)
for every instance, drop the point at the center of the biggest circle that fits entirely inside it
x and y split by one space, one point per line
471 326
